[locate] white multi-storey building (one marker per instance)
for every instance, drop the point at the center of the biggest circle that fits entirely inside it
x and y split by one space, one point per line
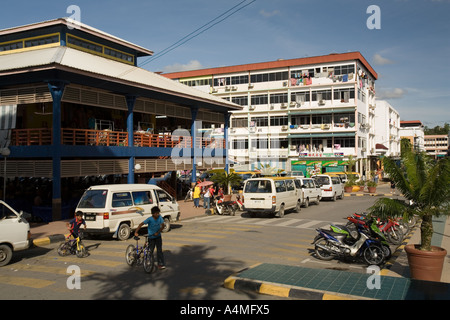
415 132
386 130
307 114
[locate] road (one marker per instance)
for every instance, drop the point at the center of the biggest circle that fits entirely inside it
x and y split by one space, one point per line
200 254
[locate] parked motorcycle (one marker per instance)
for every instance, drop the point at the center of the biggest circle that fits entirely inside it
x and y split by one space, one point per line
390 228
329 244
224 207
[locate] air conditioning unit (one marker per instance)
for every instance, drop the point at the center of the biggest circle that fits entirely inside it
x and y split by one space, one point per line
321 102
251 107
284 127
363 149
293 104
214 90
227 88
251 85
283 105
252 129
232 130
234 88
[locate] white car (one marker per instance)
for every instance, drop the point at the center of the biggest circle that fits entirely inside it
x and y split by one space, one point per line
14 233
311 191
332 187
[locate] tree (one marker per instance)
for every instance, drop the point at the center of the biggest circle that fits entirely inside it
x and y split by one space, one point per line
424 182
226 180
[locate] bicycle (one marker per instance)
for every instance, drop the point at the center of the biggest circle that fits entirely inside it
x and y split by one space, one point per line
137 255
73 246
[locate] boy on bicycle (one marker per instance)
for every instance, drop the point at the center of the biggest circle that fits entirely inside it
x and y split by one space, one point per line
155 225
74 225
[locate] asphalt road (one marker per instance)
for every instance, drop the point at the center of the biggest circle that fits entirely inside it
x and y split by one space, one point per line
200 254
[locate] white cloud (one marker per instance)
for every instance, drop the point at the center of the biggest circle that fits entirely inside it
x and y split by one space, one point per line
266 14
381 61
176 67
395 93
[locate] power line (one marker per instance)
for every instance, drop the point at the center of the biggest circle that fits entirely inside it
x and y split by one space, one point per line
198 31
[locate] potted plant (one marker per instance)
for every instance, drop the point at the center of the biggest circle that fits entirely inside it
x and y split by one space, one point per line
361 183
371 186
425 183
350 184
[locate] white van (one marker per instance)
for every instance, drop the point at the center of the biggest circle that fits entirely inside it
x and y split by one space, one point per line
311 191
272 195
120 208
331 186
14 233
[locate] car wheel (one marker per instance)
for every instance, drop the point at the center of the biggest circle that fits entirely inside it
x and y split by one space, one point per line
318 200
306 202
5 255
281 212
124 232
166 224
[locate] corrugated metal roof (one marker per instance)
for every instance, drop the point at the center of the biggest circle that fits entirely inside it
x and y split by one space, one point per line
92 64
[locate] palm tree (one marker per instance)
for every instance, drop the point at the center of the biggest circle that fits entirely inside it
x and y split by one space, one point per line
424 182
226 180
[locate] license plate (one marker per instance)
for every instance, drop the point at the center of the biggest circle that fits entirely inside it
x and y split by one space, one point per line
90 217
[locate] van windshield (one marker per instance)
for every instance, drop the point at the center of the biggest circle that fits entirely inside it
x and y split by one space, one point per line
93 199
322 180
258 186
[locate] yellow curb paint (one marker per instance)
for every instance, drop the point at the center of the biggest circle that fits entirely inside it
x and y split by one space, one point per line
229 282
274 290
328 296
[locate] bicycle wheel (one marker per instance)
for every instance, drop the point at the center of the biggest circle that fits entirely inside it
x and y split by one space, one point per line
130 255
81 251
64 249
149 261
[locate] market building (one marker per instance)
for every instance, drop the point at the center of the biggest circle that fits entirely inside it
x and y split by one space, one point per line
74 104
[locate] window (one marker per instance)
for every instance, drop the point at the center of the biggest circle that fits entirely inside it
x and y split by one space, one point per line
260 121
280 186
260 143
321 95
122 199
239 79
345 142
265 77
258 186
290 186
341 70
279 143
279 98
300 120
42 41
142 197
344 95
11 46
239 122
163 196
241 100
240 144
279 121
259 99
93 199
300 97
321 119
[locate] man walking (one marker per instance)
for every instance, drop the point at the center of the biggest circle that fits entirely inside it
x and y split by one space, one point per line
155 225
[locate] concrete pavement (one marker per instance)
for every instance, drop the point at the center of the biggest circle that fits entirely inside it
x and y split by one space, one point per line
306 283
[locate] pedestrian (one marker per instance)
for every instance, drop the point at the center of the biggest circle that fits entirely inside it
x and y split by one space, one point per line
209 192
155 225
197 192
392 187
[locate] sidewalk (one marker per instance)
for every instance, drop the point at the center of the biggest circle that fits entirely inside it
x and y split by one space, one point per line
306 283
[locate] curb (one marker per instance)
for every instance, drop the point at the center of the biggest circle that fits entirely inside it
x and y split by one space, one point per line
367 194
47 240
267 288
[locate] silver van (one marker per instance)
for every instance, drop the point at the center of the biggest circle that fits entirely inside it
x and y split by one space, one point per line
331 186
273 195
311 191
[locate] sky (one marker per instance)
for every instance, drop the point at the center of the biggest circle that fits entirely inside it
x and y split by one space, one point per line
407 42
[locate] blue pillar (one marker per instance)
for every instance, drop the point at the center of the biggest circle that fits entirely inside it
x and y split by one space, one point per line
225 137
194 112
56 89
130 130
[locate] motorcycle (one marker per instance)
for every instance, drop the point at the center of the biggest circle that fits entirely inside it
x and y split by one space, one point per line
390 228
238 204
224 207
352 230
329 244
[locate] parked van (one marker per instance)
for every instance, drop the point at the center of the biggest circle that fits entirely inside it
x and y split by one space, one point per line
119 208
272 195
311 191
14 233
332 187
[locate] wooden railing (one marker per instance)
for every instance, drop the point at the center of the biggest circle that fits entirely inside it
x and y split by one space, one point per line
87 137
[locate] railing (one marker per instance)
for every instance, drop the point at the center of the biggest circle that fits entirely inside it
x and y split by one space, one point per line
87 137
